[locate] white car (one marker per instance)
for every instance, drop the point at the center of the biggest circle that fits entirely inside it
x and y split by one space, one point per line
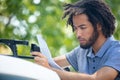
12 68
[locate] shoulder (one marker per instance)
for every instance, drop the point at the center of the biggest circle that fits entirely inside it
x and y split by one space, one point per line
114 56
115 48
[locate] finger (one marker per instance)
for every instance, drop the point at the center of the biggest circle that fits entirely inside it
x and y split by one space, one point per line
38 59
41 61
42 64
37 54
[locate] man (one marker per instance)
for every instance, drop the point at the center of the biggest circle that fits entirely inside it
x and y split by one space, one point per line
98 56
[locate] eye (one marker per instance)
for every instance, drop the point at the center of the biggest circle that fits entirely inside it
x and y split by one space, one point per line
82 27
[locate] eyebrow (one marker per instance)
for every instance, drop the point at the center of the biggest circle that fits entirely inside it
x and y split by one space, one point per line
79 25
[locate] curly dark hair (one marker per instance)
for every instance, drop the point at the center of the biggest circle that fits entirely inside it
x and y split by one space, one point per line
97 12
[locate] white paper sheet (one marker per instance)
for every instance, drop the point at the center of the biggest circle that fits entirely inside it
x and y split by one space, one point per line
45 51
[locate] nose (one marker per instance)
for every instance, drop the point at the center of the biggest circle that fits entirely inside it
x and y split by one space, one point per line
78 33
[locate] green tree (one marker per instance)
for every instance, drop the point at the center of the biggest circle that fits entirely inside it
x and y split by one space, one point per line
23 19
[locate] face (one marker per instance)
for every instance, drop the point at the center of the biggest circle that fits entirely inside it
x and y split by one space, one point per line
84 31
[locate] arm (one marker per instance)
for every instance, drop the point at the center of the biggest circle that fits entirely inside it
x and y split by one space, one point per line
40 59
61 61
105 73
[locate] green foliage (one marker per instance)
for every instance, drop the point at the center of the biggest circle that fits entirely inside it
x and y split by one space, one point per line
23 19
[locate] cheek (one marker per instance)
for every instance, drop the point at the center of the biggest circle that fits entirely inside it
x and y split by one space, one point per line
87 34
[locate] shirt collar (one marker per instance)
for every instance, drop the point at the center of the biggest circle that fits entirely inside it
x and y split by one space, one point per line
103 49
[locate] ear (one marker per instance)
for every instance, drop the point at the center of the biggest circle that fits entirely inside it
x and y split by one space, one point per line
99 27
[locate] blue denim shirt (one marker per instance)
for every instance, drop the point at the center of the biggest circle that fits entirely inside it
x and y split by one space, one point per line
84 61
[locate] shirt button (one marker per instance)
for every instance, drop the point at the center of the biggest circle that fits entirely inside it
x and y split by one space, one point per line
93 67
93 60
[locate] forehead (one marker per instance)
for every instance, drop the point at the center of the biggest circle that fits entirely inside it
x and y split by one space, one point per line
79 19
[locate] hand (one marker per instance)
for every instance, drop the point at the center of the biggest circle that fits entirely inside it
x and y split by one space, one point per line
41 59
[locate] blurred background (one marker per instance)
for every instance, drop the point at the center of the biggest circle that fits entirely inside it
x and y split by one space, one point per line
24 19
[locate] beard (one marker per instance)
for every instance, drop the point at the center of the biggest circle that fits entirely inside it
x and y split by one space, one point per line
91 41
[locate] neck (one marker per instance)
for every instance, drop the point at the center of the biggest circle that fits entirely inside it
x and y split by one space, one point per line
98 44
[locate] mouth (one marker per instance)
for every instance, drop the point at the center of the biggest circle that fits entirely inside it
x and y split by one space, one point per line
82 41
